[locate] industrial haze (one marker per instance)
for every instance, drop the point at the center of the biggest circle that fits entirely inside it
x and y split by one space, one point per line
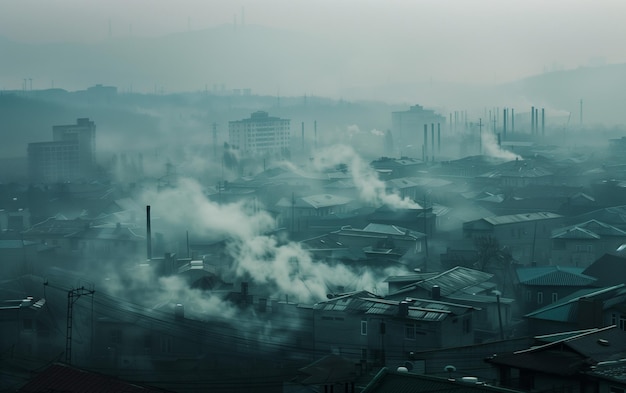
180 260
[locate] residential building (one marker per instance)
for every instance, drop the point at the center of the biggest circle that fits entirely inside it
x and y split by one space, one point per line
363 327
295 212
584 309
400 380
587 361
538 286
527 236
70 156
581 244
407 126
462 285
260 135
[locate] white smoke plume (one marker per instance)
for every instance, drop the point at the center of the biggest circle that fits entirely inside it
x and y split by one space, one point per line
490 148
377 132
371 188
283 268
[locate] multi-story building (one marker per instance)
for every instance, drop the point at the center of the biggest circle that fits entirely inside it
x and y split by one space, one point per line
70 156
260 135
407 126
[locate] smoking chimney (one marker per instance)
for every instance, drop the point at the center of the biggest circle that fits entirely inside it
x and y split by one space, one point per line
532 120
504 123
543 121
537 120
148 234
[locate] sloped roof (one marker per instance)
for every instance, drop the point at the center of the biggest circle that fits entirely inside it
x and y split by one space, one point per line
591 229
315 201
387 381
62 378
609 269
570 355
526 217
554 276
418 309
566 309
455 279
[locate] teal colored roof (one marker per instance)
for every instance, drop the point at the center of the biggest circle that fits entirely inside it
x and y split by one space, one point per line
554 276
566 309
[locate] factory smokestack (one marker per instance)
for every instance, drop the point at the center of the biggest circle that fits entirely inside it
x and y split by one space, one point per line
512 120
532 120
439 138
543 121
425 145
504 123
432 141
148 234
537 120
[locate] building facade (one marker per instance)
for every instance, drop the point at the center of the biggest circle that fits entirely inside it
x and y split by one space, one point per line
70 156
260 135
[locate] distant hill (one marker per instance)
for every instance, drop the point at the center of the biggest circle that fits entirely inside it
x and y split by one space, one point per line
602 89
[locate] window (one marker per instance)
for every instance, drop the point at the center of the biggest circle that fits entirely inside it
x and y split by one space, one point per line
467 325
529 296
116 336
364 328
539 297
409 331
555 297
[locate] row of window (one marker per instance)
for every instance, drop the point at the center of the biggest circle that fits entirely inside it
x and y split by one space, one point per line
529 297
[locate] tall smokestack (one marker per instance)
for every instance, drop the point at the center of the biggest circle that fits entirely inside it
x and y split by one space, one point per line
425 152
432 142
504 123
543 121
512 120
537 120
148 233
532 120
439 138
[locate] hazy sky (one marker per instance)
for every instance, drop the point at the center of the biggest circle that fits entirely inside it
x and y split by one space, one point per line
481 40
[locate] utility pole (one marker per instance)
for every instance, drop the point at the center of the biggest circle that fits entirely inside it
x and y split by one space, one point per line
72 297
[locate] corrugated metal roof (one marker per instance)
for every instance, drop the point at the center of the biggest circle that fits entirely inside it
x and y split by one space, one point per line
526 217
455 279
592 229
554 276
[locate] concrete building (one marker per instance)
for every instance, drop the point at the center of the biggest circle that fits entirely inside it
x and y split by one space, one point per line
70 156
407 126
260 135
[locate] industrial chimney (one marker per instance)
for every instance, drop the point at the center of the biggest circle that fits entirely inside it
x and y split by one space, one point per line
148 234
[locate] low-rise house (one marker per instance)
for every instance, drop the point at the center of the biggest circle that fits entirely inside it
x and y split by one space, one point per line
527 236
609 270
24 327
462 285
294 213
363 327
538 286
393 168
581 244
377 243
592 361
584 309
399 380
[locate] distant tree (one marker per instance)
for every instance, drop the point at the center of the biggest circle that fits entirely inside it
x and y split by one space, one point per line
490 254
